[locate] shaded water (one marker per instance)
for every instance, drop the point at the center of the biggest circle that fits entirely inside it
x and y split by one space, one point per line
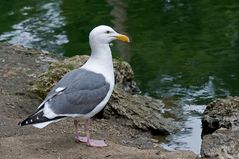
183 51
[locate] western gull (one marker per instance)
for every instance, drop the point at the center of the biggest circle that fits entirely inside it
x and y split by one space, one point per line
82 92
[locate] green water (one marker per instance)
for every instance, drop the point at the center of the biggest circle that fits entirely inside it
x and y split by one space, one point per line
183 50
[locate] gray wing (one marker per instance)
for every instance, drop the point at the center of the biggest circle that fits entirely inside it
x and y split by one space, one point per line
83 91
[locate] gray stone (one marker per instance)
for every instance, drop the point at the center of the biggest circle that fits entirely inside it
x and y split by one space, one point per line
222 144
143 112
221 129
221 113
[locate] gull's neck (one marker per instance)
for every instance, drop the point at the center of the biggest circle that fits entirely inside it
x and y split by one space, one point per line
100 61
101 52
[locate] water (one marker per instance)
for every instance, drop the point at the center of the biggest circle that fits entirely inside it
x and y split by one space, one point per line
185 52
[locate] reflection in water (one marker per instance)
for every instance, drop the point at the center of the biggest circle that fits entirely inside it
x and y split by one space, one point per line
41 29
189 99
190 135
119 13
182 50
81 17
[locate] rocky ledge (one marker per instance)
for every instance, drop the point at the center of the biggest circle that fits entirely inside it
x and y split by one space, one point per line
25 70
221 129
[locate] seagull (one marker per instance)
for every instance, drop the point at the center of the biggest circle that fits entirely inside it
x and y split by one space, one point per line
82 92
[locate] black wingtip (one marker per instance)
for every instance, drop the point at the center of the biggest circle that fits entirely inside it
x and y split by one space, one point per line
22 123
37 118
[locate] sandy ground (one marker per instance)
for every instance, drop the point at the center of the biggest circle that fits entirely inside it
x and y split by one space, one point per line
18 67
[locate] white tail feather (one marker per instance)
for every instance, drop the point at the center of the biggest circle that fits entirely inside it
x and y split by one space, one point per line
42 125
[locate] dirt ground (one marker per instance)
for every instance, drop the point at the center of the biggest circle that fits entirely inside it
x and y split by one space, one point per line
18 67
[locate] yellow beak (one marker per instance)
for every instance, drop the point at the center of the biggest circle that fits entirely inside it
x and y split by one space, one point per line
122 37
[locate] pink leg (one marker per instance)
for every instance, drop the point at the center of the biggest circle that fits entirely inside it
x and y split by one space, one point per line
91 142
78 138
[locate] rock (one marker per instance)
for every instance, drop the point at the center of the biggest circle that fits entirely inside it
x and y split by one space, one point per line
124 76
186 154
221 129
221 113
222 144
141 111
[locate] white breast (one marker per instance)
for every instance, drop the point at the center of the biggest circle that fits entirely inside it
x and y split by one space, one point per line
105 68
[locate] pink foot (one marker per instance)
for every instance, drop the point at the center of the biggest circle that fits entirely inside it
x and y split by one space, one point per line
80 139
97 143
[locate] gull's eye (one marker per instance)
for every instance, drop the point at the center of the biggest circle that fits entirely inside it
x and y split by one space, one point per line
107 32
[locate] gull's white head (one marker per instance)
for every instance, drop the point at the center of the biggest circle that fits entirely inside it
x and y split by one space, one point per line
104 35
